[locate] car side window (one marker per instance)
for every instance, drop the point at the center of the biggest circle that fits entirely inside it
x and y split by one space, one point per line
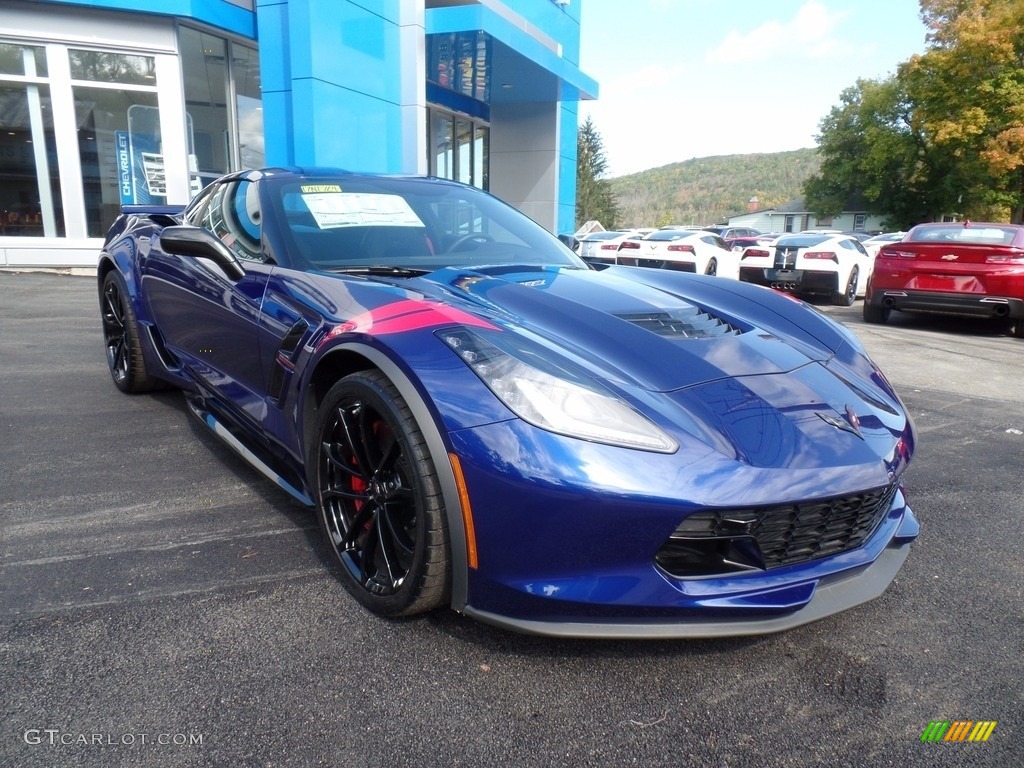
194 213
233 214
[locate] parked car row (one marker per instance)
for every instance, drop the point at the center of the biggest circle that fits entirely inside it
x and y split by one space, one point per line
953 268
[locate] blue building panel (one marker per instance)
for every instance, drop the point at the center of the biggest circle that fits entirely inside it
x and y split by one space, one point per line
351 130
217 13
342 43
274 36
560 22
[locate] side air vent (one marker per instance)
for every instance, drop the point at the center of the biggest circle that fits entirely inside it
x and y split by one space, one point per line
169 360
691 323
293 337
284 362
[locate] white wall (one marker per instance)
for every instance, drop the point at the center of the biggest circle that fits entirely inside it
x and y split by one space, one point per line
525 159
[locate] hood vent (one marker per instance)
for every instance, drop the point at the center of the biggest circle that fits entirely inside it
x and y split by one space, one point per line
691 323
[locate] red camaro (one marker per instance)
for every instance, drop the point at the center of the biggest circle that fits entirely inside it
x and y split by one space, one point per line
963 268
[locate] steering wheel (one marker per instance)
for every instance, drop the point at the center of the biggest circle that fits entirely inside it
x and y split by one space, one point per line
470 242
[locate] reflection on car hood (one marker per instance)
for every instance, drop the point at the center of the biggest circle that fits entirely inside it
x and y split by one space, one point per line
751 380
633 330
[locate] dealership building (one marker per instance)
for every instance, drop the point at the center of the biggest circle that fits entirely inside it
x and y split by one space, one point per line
115 102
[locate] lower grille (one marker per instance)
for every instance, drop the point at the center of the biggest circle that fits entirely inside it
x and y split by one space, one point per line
762 538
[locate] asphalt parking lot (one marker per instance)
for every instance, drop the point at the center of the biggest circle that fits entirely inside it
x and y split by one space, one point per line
164 605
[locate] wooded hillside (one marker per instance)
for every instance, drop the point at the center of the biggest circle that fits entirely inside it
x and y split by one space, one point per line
707 190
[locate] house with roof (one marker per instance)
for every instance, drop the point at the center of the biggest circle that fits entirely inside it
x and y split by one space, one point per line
794 217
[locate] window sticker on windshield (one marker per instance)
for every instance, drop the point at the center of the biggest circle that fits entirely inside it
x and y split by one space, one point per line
310 188
989 233
360 209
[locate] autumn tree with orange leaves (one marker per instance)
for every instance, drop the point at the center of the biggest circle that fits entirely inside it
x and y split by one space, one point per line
945 134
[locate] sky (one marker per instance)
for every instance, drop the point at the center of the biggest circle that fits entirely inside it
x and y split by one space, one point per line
695 78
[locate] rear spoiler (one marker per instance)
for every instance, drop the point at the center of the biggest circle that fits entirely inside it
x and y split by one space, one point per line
153 210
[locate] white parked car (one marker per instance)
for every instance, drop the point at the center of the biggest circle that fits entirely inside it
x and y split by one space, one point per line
685 250
602 247
874 244
825 264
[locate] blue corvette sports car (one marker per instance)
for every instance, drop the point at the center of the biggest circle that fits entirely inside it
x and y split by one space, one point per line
483 422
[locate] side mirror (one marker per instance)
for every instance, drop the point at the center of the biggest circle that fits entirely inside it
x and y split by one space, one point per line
198 242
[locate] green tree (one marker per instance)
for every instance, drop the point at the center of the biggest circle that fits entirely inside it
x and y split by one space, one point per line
875 156
945 134
594 198
969 93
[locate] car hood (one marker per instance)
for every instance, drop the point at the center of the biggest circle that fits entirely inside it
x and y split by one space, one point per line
639 329
733 370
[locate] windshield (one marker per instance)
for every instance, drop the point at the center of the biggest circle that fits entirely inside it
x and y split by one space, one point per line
801 241
352 222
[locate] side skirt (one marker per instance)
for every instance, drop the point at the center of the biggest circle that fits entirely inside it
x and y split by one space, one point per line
222 431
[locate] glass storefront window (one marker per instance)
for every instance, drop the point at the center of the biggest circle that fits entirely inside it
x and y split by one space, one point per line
207 85
30 194
117 121
458 148
442 162
12 60
245 70
464 142
120 151
204 71
99 66
481 159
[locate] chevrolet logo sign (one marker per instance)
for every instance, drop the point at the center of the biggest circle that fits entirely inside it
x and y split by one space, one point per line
950 257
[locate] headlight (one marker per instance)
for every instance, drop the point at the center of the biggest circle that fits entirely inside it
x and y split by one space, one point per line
552 397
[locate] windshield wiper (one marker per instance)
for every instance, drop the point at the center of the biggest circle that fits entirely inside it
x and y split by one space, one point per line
382 270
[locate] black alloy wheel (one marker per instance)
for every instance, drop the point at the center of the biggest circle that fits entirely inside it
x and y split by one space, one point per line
121 338
379 499
847 297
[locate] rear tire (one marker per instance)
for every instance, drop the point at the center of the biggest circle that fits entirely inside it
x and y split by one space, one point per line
847 297
121 338
1017 327
712 268
876 315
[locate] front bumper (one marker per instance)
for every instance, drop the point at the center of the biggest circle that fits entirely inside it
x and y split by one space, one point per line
829 596
568 534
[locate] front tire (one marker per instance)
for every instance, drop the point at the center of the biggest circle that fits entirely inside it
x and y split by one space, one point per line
121 338
378 498
847 297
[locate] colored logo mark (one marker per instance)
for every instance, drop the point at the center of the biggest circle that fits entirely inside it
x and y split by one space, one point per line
958 730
